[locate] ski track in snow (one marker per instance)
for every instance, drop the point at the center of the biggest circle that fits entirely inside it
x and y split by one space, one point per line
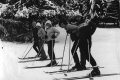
105 50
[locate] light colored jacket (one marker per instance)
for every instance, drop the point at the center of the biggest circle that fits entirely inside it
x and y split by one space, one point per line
51 31
41 33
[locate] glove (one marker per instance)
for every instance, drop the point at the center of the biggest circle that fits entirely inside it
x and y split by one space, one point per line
46 36
53 36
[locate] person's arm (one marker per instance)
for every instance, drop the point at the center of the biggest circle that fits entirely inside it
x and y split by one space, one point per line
43 32
39 33
56 31
84 24
32 35
72 28
93 27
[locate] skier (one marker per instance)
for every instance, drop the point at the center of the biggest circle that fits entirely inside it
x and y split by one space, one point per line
81 35
41 36
35 36
68 27
51 34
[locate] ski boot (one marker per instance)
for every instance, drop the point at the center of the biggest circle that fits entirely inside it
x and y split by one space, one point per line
43 58
94 72
78 68
52 63
38 55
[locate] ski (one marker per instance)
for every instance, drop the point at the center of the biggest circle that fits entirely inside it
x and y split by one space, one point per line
29 61
37 60
45 66
68 71
28 58
84 77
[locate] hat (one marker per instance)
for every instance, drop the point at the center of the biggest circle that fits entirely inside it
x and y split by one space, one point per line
38 24
48 22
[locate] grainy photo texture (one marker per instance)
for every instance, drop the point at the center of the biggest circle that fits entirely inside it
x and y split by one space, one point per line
59 39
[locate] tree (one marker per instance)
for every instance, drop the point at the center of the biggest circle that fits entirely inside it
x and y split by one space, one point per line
3 1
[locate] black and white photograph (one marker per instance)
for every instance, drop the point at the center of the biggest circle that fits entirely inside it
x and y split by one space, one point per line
59 39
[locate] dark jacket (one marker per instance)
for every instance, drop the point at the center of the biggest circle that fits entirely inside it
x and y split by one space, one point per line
84 32
35 34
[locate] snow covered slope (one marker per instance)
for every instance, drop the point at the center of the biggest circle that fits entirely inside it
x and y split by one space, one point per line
105 50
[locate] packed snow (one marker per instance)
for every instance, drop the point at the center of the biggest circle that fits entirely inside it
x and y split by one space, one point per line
105 50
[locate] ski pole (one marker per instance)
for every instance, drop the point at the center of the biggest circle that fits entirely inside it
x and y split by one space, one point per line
69 54
27 52
52 54
89 51
40 49
64 50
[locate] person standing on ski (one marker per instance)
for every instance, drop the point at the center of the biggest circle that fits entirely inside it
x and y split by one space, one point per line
92 28
51 34
69 27
35 37
41 36
81 36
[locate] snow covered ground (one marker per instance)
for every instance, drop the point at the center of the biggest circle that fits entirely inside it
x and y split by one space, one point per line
105 50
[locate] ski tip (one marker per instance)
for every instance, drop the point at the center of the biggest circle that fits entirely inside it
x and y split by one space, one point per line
20 58
22 61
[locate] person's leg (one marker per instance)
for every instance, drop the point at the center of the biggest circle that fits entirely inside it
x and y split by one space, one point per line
83 50
90 43
89 57
49 46
51 53
35 47
74 53
41 49
92 61
85 53
51 49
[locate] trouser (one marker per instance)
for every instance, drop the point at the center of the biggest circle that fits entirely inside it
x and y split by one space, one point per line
41 48
90 43
36 46
74 53
85 47
51 53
